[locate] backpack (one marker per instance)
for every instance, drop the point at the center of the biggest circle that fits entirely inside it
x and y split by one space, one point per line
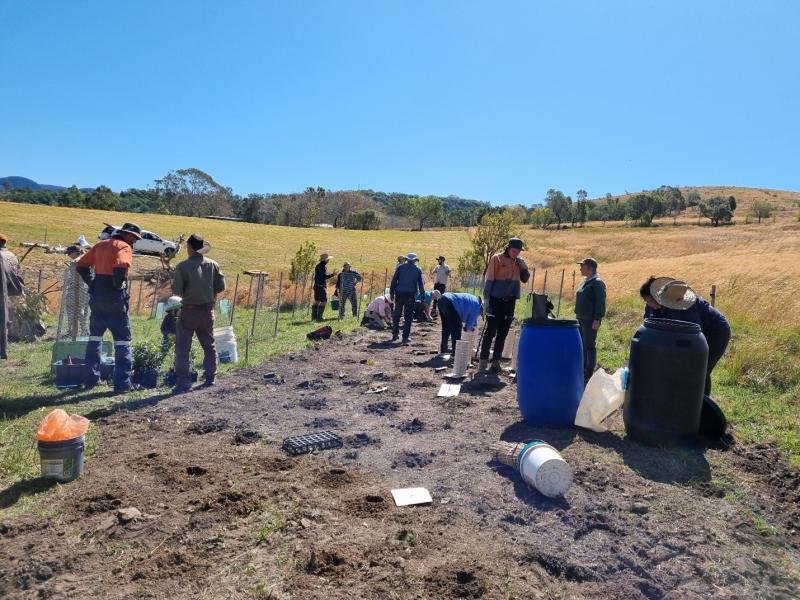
323 333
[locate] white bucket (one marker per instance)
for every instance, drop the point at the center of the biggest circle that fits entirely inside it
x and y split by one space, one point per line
225 339
542 467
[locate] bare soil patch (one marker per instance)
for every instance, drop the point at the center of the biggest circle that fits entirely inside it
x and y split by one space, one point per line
193 498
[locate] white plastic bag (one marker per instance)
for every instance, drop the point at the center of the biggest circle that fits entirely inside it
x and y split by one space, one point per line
602 396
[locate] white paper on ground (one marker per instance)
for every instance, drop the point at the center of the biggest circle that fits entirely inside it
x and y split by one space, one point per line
449 390
410 496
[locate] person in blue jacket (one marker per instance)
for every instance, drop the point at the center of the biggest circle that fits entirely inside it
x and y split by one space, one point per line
668 298
456 311
406 284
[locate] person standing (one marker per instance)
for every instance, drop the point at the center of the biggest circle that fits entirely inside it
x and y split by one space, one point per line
110 260
504 275
441 273
10 285
590 308
668 298
456 311
321 277
197 280
346 284
406 283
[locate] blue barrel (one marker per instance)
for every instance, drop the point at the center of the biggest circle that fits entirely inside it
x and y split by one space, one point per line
550 372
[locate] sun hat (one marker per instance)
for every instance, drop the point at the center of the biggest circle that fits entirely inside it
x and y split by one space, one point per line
325 256
589 262
658 283
676 295
173 303
198 244
131 228
411 256
436 295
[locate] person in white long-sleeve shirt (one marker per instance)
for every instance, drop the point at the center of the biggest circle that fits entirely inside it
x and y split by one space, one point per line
379 313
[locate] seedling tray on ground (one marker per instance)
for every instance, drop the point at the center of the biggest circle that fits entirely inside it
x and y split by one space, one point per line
303 444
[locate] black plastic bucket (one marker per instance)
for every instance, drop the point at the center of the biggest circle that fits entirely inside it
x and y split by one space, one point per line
62 460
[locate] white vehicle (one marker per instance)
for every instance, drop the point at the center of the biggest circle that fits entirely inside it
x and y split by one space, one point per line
149 244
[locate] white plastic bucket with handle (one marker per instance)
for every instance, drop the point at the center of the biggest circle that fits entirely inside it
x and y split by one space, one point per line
542 466
225 339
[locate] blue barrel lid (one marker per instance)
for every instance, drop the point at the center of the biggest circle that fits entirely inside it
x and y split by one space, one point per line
550 323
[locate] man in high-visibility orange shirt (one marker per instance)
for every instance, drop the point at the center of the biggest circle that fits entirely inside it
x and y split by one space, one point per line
108 300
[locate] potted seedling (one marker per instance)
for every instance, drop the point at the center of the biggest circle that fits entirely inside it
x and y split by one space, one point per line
147 358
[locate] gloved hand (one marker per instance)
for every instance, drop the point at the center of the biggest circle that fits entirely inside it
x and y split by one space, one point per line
523 266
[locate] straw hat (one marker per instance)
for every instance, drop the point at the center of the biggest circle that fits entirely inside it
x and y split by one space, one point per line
658 283
676 295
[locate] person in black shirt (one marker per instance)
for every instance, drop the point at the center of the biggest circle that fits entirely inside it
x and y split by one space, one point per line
321 277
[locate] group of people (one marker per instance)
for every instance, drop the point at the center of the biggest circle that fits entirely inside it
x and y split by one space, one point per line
195 285
198 281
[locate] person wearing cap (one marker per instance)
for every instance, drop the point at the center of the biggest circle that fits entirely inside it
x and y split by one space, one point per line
590 308
105 268
504 275
668 298
169 324
197 280
457 311
379 313
441 272
7 256
346 283
406 283
321 277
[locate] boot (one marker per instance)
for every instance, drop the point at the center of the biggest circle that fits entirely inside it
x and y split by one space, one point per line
483 364
496 368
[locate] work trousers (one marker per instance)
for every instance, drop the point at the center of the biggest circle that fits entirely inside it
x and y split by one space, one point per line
717 344
403 305
375 319
442 288
193 321
344 296
451 324
498 322
4 299
589 339
109 313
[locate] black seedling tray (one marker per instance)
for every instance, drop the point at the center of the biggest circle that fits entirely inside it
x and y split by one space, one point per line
302 444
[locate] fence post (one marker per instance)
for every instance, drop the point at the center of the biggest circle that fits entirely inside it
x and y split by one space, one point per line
294 300
544 287
573 285
560 291
278 306
713 295
360 297
255 308
139 298
39 283
233 304
249 291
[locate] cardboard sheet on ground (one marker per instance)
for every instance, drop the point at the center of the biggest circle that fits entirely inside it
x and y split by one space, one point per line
448 390
411 496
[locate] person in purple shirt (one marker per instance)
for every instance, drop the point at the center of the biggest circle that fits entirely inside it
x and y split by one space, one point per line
668 298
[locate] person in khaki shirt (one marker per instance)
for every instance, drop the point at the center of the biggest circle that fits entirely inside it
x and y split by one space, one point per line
197 280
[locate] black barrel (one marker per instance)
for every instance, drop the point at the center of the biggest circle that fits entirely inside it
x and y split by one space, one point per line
667 378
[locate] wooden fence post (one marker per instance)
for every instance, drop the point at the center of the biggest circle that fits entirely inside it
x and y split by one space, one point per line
713 295
278 306
560 291
139 297
573 285
233 304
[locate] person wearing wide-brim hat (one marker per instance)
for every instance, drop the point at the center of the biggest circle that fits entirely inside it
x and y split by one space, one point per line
590 308
669 298
504 275
105 268
198 281
346 284
321 277
406 283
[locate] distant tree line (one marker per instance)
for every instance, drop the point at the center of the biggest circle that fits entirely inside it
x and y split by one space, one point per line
191 192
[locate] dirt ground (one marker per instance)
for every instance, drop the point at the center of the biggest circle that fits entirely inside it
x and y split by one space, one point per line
191 496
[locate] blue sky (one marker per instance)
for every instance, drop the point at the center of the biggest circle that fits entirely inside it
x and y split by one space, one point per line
497 101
